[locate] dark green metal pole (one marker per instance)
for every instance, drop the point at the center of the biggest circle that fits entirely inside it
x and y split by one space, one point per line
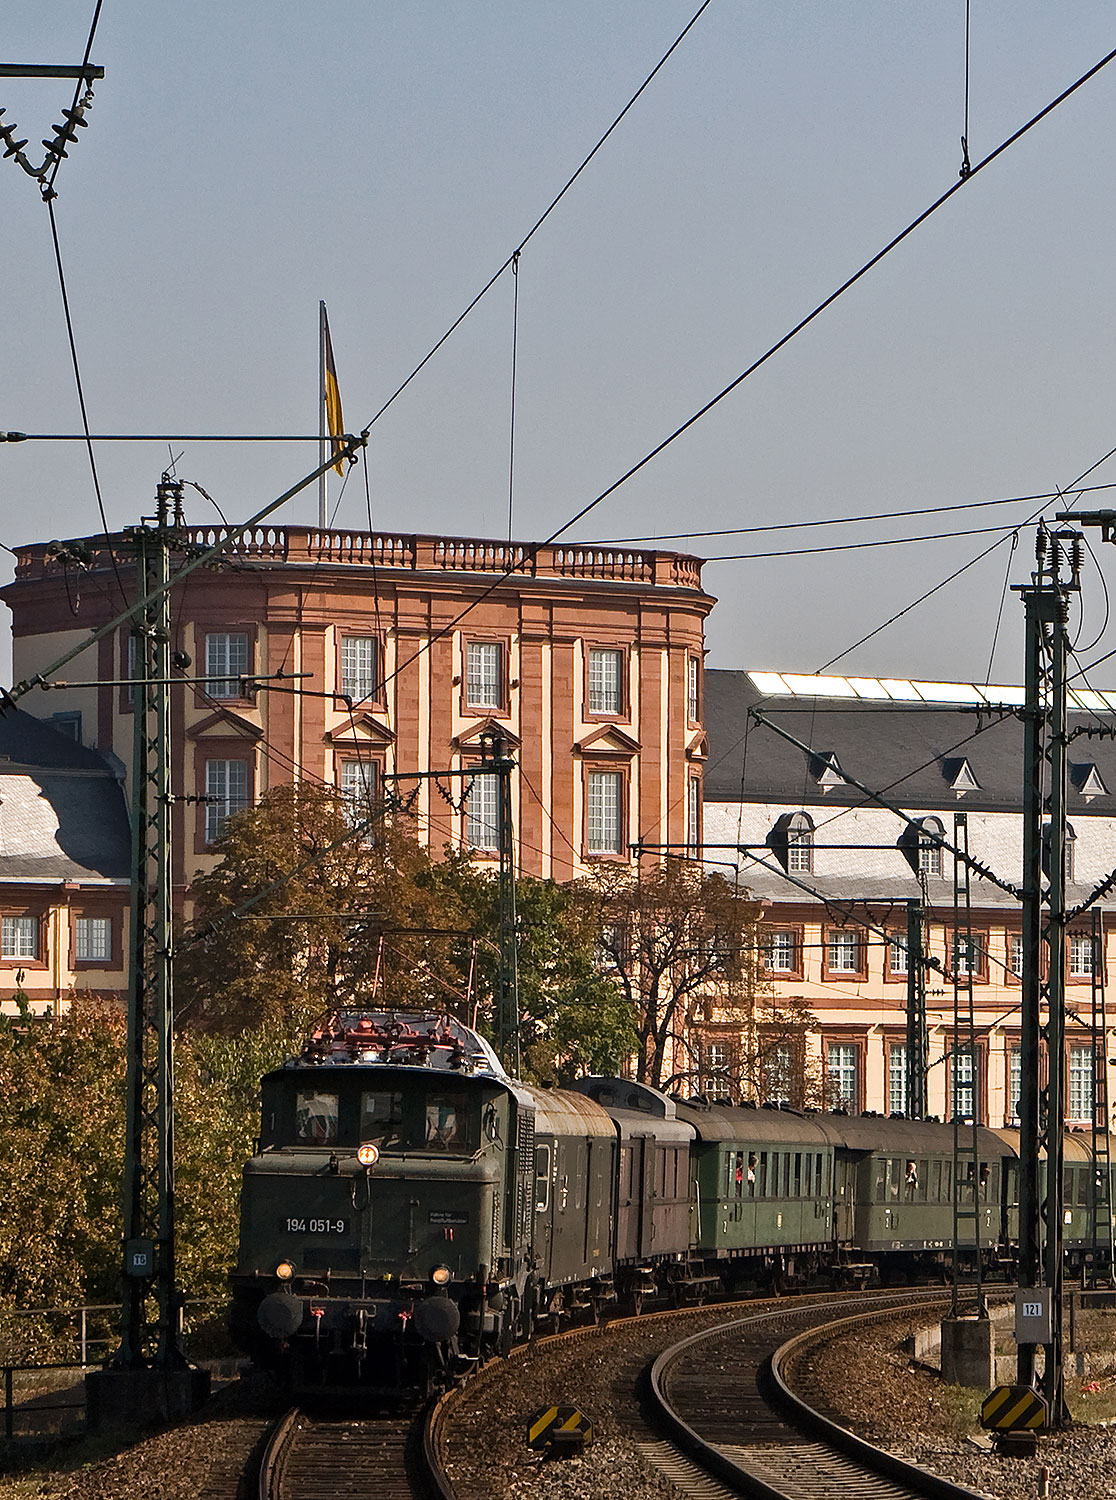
149 1207
916 1012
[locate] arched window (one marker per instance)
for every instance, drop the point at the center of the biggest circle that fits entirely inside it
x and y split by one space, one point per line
792 841
921 843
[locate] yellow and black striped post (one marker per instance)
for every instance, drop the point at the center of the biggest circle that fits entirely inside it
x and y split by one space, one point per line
559 1427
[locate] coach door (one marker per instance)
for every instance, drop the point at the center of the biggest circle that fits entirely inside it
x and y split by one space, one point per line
844 1197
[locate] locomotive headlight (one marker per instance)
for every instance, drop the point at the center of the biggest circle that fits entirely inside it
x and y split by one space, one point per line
284 1270
368 1155
441 1275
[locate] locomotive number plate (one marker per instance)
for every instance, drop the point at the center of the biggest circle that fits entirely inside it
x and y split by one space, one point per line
314 1226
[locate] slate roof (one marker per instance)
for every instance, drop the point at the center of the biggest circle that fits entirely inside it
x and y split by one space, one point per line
62 811
911 749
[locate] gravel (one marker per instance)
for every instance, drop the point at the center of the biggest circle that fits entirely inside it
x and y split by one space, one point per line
869 1385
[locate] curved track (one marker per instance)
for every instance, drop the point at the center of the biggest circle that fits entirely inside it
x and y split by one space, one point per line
724 1400
310 1458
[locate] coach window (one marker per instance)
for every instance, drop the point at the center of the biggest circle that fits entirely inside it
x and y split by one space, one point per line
763 1174
797 1193
316 1117
542 1179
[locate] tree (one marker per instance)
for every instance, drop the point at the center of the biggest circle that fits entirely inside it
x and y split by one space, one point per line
574 1018
329 915
682 945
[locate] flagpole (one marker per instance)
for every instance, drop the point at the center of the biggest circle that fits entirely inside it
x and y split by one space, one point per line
323 514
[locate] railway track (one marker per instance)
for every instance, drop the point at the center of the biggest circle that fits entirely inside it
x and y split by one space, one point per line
736 1426
310 1458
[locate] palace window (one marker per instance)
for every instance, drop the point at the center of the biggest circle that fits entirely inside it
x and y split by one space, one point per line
359 666
780 951
92 939
19 937
1080 1083
226 660
357 784
484 674
604 812
1081 955
606 681
844 950
227 792
897 1078
482 814
693 689
842 1070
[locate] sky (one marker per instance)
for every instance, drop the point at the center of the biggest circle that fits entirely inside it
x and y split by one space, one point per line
244 161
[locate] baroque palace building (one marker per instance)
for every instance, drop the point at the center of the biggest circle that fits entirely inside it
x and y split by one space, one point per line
835 870
588 660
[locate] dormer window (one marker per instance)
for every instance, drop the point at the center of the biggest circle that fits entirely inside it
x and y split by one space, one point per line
826 770
1086 781
921 842
959 774
792 841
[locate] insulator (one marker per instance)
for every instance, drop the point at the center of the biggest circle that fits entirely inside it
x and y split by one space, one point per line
14 147
1077 553
75 117
1040 544
54 148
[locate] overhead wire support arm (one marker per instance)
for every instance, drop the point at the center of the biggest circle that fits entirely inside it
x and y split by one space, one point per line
967 860
167 437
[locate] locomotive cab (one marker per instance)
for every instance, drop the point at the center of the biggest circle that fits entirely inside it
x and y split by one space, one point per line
384 1229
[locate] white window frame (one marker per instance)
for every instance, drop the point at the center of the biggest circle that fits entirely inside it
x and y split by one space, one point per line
963 1074
1079 1095
93 940
360 663
1080 955
606 680
780 948
228 659
693 814
228 790
897 1078
19 937
484 674
357 781
842 1068
482 813
693 688
898 961
1014 1082
842 944
604 812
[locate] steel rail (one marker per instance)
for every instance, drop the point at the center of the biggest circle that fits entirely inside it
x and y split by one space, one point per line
839 1454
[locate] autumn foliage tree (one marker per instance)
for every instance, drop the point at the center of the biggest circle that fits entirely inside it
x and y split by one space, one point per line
303 913
683 946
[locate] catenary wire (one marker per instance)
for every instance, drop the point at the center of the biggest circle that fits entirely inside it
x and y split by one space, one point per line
541 220
883 541
964 568
762 359
884 515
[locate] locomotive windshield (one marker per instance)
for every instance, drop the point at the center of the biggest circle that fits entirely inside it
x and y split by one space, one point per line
316 1117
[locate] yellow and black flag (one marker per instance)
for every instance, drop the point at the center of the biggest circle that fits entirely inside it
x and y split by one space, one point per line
333 423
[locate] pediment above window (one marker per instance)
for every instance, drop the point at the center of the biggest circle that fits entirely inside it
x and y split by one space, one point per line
364 729
470 739
221 724
826 769
609 739
698 747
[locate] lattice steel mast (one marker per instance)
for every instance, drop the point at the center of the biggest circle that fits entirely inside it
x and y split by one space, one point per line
1041 1102
149 1200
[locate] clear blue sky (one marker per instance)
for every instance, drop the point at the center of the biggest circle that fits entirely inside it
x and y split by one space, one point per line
243 161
